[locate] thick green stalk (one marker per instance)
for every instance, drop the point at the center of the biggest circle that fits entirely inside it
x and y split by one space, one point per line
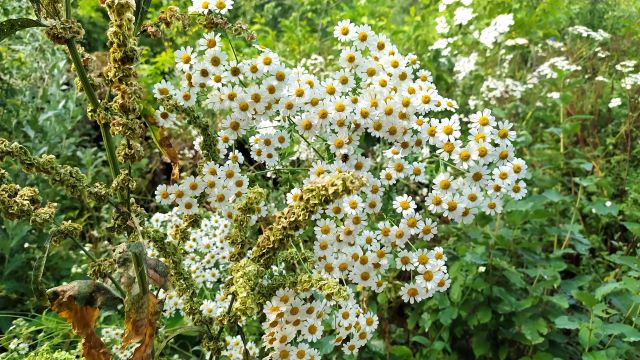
93 100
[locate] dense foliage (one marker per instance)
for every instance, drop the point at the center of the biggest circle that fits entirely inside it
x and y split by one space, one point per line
555 275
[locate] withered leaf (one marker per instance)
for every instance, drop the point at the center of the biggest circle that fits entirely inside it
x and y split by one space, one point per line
162 141
157 272
141 315
79 303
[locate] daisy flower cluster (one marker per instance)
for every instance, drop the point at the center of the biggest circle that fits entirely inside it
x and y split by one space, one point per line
296 320
206 259
379 116
219 184
236 348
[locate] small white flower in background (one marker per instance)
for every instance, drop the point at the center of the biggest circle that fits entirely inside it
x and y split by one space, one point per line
482 269
588 33
601 78
464 66
548 70
630 81
554 95
498 26
463 15
615 102
441 43
608 203
626 66
516 41
441 25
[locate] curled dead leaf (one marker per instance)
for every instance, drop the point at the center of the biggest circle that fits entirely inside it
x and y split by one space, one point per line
79 303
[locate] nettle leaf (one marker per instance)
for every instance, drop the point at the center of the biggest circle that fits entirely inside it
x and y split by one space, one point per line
12 26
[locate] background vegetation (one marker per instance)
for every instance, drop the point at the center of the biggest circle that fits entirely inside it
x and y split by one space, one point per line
556 276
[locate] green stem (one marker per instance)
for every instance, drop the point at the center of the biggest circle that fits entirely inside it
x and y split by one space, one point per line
141 272
139 261
95 103
573 219
67 9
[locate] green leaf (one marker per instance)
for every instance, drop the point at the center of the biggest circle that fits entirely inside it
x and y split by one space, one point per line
560 300
36 7
604 208
12 26
480 345
420 339
634 227
532 329
630 333
564 322
630 261
484 314
325 345
606 289
553 195
400 352
585 298
447 315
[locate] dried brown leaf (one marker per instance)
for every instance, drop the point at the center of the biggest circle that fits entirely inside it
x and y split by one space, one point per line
141 315
78 302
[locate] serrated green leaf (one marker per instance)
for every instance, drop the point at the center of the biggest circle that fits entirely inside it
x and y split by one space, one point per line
12 26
